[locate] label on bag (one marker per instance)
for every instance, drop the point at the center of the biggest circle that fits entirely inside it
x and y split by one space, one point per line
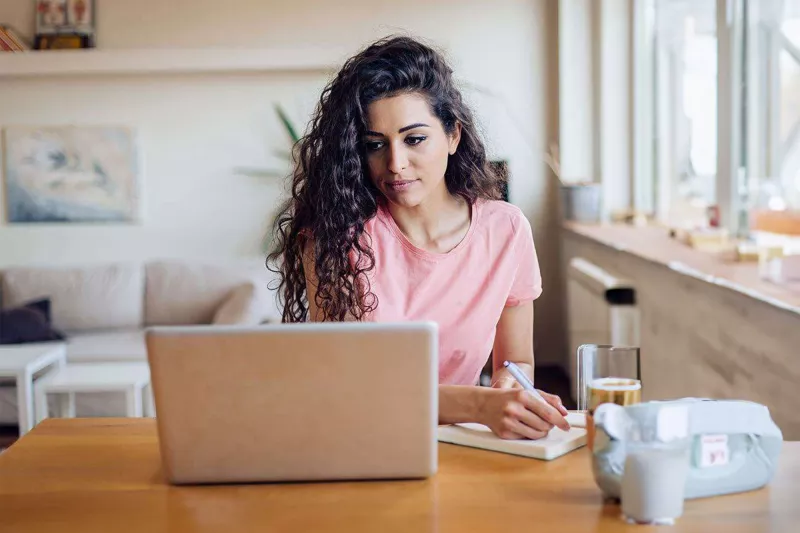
714 450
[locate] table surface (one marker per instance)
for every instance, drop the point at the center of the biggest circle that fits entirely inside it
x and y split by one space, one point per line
15 357
101 475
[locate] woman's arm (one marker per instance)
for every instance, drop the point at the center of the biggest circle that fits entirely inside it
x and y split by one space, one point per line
513 342
508 411
519 416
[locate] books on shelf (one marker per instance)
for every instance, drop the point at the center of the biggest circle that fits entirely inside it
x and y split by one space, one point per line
11 40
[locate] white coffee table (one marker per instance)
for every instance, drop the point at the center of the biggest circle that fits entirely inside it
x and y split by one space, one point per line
130 379
22 362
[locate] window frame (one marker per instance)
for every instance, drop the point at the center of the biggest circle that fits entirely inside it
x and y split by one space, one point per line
652 152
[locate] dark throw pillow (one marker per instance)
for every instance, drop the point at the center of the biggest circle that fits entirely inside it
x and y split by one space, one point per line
29 322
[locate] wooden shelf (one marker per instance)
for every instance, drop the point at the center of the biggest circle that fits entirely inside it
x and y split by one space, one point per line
167 61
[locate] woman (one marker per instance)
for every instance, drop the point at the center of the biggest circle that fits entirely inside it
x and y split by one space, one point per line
395 216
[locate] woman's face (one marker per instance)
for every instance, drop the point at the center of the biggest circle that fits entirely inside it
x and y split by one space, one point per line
407 149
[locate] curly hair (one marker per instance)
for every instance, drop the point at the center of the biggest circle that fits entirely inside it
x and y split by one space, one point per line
332 196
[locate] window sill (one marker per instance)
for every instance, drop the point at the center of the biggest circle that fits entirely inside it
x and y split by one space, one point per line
653 244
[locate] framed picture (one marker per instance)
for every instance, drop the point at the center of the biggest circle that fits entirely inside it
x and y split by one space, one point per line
71 18
71 174
80 16
51 16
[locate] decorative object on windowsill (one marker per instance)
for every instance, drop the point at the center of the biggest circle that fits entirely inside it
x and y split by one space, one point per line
11 40
778 264
631 217
71 174
65 24
712 212
580 200
715 240
740 252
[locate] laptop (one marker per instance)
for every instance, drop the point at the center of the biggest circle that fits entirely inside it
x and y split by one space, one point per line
295 402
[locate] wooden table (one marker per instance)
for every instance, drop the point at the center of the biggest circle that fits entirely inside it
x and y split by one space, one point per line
104 475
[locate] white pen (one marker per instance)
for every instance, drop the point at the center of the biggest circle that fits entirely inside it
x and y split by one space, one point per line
526 383
523 380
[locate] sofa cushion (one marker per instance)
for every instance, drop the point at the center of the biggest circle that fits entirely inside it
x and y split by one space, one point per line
125 345
29 322
240 308
83 298
183 293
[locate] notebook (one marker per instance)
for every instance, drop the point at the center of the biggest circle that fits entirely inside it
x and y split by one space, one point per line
556 444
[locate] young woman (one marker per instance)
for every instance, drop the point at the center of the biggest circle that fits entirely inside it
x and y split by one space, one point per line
395 216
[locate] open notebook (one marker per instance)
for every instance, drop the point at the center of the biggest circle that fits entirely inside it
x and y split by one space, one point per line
556 444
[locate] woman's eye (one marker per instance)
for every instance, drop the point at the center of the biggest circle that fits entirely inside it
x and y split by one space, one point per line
413 141
372 146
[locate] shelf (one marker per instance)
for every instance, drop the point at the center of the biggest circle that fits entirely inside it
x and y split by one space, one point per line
167 61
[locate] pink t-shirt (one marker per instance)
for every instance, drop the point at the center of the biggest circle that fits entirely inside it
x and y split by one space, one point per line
464 290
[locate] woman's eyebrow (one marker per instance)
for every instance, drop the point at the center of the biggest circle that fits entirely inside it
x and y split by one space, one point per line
401 130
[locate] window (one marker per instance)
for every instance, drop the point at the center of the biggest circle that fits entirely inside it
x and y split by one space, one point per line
772 74
685 49
748 163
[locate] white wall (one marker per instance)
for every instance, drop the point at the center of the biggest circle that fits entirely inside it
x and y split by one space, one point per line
193 130
192 133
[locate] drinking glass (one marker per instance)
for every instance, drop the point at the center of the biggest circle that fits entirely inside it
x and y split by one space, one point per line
657 447
606 367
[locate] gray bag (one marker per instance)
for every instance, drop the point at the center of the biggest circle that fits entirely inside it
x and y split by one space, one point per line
735 446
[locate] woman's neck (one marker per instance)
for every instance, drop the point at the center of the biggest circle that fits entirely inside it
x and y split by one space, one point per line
437 225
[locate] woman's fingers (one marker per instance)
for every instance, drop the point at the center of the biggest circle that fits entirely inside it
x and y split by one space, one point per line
519 411
545 411
514 429
555 401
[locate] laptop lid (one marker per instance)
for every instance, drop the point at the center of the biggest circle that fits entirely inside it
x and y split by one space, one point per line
295 402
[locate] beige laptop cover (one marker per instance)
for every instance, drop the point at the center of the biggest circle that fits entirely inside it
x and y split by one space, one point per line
299 402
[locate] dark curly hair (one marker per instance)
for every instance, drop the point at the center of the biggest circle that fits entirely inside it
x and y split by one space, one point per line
332 196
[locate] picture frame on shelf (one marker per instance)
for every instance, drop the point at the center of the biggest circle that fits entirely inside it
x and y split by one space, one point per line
80 16
51 16
65 24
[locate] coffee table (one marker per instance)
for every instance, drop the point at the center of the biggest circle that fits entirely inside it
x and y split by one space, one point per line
22 362
130 379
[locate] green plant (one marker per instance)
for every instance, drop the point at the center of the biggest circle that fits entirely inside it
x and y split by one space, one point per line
287 123
291 131
284 154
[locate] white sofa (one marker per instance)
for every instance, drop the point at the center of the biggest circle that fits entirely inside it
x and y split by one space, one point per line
103 309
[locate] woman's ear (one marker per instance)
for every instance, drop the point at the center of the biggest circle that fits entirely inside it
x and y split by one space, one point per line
454 138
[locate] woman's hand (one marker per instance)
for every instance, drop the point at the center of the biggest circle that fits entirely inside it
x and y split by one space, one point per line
513 413
504 380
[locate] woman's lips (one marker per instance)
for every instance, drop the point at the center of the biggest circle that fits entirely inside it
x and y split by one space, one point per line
399 185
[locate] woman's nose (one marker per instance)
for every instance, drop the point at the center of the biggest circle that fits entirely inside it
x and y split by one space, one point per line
398 159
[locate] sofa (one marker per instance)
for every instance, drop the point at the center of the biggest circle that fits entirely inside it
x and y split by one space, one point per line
103 309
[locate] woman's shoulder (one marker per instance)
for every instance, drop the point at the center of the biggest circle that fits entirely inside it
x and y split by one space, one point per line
501 216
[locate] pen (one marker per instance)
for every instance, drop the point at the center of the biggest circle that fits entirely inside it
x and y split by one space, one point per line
523 380
527 384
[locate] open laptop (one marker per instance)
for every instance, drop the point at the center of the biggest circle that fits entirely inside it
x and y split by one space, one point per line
295 402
